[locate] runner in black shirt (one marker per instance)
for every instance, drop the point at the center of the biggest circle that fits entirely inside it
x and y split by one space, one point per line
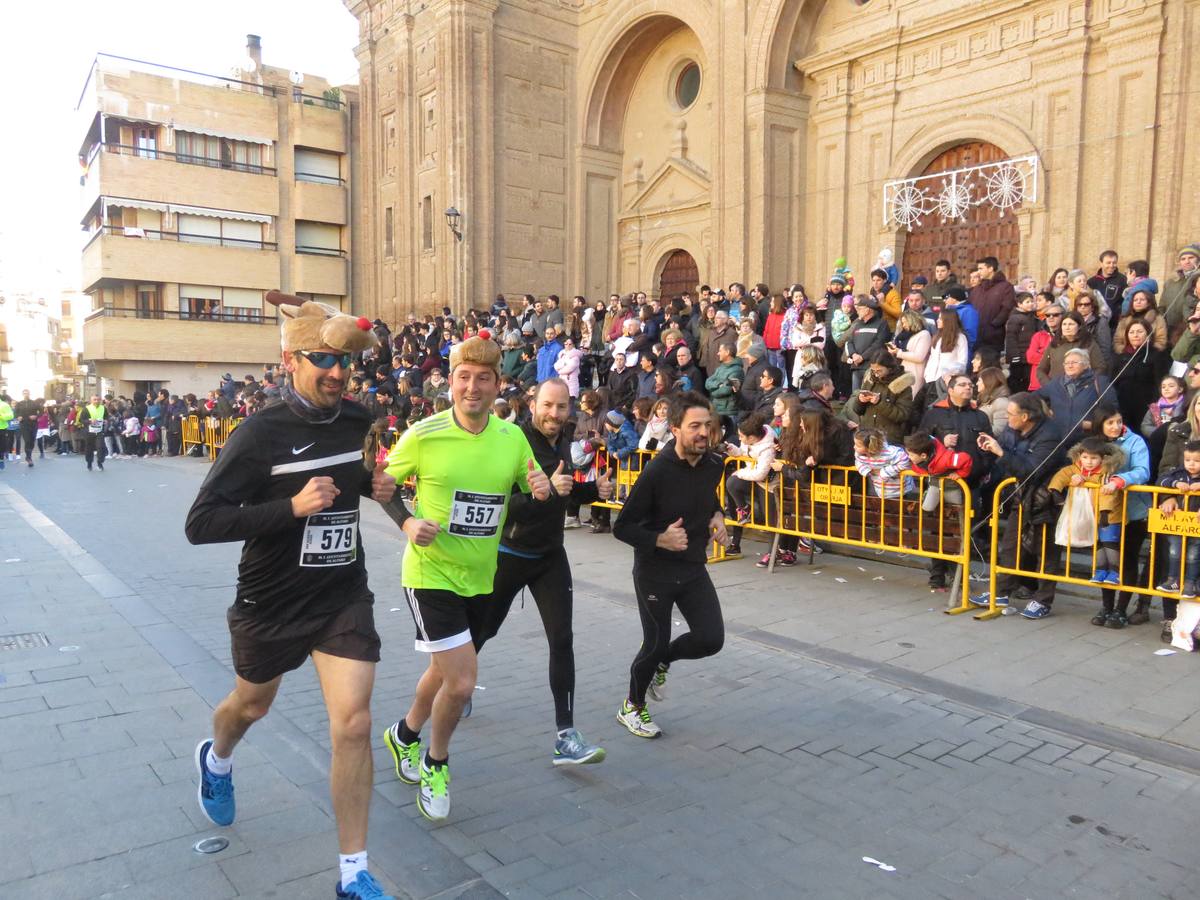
670 517
288 483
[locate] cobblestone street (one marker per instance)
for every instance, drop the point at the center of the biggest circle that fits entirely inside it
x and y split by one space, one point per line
841 721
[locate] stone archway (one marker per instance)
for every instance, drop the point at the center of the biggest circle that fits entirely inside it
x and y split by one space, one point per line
679 273
982 231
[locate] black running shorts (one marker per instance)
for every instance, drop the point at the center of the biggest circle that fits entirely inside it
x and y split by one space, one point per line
265 649
445 620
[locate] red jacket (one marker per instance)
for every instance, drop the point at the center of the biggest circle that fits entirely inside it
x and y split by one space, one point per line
772 331
1037 349
945 461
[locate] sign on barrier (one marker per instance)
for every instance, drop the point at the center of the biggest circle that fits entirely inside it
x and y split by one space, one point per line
1177 523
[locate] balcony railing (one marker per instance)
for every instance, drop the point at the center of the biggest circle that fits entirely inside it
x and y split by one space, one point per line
233 315
187 159
186 238
329 100
314 178
319 251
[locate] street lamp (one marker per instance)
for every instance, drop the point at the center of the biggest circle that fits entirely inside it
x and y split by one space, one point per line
452 217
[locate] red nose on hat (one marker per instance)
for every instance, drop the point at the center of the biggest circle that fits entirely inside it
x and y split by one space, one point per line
485 334
363 323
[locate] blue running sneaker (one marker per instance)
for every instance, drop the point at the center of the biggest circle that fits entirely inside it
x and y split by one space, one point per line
1035 610
1100 577
216 791
1112 577
570 749
982 599
365 887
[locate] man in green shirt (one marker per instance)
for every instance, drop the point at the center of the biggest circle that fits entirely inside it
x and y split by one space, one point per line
6 415
466 462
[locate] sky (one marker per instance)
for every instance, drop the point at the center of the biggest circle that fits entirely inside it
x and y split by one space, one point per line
46 51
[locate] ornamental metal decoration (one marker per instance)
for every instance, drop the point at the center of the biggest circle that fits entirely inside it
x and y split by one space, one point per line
949 195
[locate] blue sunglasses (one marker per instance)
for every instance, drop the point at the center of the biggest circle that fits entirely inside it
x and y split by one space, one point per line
323 360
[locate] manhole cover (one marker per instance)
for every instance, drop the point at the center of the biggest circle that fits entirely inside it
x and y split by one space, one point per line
29 640
211 845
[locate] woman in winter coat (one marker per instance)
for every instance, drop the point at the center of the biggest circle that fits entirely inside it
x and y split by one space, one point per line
1142 307
567 366
773 332
1071 335
910 345
1137 372
991 397
706 354
884 400
947 351
1096 326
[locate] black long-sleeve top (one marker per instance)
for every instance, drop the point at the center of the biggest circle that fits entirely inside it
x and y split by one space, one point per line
670 488
290 568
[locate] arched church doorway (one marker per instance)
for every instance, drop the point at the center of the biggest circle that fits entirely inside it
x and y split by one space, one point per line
982 231
679 274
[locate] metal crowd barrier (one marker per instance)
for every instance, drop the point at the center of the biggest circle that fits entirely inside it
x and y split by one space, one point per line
1027 564
833 506
208 432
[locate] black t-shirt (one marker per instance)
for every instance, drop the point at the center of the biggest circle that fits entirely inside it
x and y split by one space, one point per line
290 569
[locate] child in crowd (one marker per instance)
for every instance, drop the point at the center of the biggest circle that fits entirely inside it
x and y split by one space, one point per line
929 456
841 320
1171 403
1185 479
1093 464
658 428
758 443
1019 330
881 464
620 441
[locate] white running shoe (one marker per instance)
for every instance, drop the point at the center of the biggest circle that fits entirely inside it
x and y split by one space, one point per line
433 800
638 721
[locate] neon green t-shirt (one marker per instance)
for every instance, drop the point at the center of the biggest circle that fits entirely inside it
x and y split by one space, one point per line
463 483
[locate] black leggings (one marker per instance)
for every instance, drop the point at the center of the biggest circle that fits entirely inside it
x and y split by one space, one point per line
697 602
549 580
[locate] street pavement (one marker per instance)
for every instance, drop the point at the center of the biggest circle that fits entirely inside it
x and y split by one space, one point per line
846 717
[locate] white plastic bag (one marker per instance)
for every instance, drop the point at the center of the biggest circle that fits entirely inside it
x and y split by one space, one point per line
1077 523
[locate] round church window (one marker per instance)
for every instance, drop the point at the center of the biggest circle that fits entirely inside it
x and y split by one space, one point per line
687 85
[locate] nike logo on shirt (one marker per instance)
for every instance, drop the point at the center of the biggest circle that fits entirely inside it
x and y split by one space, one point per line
296 452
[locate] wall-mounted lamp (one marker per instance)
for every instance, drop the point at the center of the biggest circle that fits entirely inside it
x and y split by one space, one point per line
452 217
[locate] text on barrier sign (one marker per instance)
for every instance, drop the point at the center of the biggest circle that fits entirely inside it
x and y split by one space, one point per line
831 493
1181 523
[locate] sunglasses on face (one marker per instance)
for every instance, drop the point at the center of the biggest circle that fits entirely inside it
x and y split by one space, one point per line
323 360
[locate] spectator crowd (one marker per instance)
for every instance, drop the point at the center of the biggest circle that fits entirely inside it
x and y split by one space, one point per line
1088 379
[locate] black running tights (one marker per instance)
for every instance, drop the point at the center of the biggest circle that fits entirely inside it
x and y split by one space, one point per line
697 602
549 581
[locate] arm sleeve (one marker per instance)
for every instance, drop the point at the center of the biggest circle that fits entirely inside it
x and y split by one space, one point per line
402 459
1062 478
225 510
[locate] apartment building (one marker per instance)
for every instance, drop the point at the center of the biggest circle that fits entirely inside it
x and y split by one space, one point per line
200 194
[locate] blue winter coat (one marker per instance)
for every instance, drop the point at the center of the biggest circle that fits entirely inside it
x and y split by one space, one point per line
622 442
1136 470
1072 402
968 316
545 361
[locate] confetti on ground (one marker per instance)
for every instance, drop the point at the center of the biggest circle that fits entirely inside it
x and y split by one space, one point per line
815 572
14 559
860 568
1165 651
395 609
877 578
70 648
881 865
840 580
480 687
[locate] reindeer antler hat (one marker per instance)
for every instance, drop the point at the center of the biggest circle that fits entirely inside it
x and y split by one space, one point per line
310 325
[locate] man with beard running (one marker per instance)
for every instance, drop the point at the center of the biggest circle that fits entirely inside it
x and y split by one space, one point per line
288 483
532 556
670 517
466 461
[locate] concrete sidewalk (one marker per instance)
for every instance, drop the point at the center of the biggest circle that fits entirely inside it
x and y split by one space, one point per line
843 719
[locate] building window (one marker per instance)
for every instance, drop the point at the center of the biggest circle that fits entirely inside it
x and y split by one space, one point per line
320 238
149 301
208 303
318 167
427 222
389 249
222 153
687 85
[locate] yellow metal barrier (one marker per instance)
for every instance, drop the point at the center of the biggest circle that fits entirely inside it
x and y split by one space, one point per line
834 507
1183 525
193 433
